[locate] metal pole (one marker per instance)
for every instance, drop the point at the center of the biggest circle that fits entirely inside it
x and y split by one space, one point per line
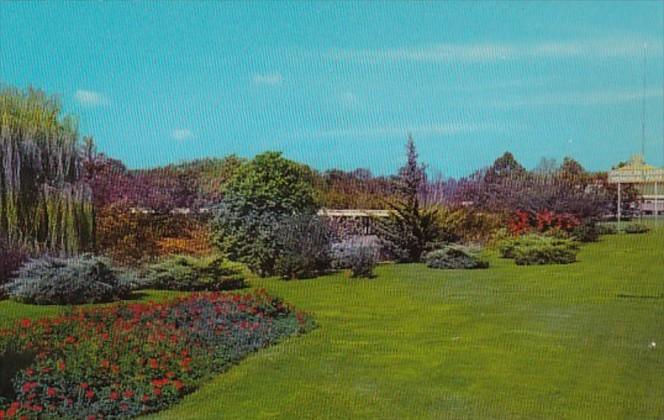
619 205
656 203
643 108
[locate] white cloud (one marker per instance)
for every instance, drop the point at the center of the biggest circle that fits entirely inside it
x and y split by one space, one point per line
182 134
90 98
481 52
271 79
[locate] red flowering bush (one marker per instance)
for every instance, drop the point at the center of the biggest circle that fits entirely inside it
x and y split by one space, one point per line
130 359
523 222
520 223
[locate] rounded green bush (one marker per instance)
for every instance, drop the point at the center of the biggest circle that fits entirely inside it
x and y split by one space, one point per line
360 259
539 249
454 257
65 281
636 228
187 273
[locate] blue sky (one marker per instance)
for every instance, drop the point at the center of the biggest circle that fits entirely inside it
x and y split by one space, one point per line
340 84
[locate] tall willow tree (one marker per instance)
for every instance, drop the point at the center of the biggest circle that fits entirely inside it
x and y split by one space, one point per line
43 206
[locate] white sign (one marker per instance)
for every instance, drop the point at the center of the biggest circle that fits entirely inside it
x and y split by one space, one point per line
636 176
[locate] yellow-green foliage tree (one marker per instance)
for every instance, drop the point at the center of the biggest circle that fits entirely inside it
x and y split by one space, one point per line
43 206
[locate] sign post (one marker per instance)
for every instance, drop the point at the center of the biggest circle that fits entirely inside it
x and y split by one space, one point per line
619 206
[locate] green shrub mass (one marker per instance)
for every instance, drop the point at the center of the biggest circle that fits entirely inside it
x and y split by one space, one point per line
588 231
605 229
636 228
64 281
183 272
262 193
454 256
304 247
360 259
539 249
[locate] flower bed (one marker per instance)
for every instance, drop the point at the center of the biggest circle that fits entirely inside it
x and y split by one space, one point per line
130 359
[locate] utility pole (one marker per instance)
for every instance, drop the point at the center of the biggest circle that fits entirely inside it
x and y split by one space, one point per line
643 108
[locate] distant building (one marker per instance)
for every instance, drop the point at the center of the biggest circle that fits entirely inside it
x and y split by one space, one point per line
647 179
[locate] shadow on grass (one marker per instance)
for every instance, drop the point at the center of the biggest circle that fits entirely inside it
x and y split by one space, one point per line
10 363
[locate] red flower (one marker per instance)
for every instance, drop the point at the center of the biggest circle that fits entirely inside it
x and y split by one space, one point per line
104 363
154 364
146 397
51 392
128 393
84 385
89 394
60 365
25 323
114 396
70 339
28 386
156 391
11 411
178 384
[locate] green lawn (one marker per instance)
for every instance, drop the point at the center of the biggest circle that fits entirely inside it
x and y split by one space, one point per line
507 342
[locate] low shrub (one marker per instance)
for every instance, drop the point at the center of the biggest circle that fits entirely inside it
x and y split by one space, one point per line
66 281
545 254
454 257
605 229
360 259
304 243
187 273
498 237
636 228
539 249
126 360
588 231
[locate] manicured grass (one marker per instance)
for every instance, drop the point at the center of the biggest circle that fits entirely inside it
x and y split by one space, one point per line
508 342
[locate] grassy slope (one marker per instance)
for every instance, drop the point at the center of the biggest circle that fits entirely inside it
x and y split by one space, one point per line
517 342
